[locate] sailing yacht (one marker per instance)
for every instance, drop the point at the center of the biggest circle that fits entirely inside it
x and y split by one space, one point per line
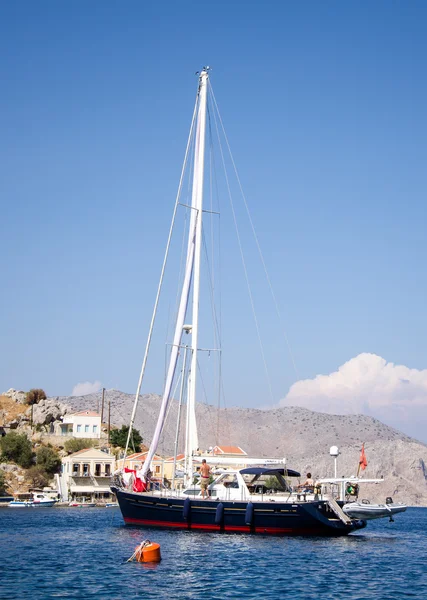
240 500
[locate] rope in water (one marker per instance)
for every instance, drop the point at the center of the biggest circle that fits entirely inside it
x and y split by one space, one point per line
139 548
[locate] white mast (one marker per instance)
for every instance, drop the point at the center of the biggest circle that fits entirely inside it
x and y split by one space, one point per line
197 206
192 270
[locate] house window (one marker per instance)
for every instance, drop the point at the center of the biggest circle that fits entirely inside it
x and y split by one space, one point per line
79 428
97 470
86 428
157 469
76 468
107 470
95 429
85 470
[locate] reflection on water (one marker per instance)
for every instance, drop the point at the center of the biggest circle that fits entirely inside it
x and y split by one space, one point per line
70 553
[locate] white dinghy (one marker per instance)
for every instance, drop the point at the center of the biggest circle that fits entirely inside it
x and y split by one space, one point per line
365 510
346 491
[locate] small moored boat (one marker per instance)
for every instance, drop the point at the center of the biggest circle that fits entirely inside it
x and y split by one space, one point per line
38 500
365 510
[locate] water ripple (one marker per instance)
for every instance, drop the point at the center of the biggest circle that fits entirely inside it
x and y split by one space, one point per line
82 553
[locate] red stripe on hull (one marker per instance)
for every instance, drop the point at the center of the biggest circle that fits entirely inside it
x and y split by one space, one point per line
241 529
155 523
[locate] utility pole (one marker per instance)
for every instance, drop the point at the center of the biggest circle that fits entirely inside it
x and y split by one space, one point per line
102 406
109 414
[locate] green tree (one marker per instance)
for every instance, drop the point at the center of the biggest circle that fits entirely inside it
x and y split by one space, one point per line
118 437
37 476
76 444
48 459
35 395
17 448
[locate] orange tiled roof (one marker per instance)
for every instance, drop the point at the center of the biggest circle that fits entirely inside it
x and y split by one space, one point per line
86 413
178 457
141 456
135 455
143 452
228 450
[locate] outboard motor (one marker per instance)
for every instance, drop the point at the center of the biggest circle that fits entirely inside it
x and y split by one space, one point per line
389 500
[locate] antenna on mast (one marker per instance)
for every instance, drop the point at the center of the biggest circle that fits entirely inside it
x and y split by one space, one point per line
206 69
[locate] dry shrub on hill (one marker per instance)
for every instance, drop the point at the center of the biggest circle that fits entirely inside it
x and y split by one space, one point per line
10 409
37 476
35 395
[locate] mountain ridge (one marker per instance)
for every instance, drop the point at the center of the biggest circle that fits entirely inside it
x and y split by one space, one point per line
299 434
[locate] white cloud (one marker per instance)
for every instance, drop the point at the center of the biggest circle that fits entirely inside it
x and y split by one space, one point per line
81 389
367 384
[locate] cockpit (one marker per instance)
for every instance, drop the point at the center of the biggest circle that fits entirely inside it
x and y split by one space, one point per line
261 480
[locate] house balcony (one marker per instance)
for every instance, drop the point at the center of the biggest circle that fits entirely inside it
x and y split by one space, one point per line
89 484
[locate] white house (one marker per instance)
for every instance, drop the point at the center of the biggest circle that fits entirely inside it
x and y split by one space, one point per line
87 474
84 424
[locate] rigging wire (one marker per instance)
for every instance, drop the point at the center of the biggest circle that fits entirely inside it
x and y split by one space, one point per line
185 230
255 237
212 298
159 288
217 360
209 407
217 332
243 257
170 406
182 261
218 315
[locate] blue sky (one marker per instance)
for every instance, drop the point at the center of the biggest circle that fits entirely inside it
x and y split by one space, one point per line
324 106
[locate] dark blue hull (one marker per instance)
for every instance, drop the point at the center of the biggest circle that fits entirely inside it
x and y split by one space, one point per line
276 518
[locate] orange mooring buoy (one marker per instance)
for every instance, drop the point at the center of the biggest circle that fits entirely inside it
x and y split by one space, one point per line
148 552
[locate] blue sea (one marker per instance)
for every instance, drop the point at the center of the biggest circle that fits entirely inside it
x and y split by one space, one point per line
82 553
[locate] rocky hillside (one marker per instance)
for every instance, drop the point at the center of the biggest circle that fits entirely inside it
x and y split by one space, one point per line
15 414
302 436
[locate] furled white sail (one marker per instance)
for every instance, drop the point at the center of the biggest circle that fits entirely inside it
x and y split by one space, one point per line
192 270
197 206
174 352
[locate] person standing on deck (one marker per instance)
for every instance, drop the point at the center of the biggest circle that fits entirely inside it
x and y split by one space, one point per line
205 475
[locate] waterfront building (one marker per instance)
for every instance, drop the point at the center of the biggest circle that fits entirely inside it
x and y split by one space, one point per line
87 474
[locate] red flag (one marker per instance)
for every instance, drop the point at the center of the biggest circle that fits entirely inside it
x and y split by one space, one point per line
363 463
